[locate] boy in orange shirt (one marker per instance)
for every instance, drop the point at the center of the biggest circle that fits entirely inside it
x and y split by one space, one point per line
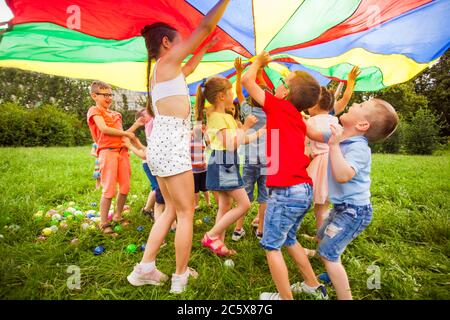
107 132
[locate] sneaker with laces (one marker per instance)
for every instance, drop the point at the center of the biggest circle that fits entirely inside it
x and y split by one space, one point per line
139 278
237 235
269 296
319 292
180 281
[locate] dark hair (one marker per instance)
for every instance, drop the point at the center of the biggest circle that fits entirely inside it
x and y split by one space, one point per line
237 111
154 35
253 102
209 90
326 99
304 90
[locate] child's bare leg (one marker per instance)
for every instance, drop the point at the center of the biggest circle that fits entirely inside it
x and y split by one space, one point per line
261 211
339 278
304 266
197 196
105 204
216 196
239 224
207 199
224 202
151 199
181 190
231 216
279 273
160 228
159 209
321 212
121 199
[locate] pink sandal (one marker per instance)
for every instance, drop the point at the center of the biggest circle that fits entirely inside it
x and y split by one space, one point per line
220 249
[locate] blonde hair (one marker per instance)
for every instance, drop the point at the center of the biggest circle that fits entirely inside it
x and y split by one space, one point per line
98 85
383 121
209 90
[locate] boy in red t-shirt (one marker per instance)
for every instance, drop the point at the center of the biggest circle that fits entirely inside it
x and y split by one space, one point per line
114 162
290 187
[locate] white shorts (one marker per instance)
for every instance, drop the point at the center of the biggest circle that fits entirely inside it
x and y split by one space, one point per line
169 151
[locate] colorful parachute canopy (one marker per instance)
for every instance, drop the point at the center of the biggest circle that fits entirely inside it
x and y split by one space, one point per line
390 40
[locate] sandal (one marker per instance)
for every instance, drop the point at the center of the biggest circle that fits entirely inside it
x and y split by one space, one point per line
123 222
149 213
220 249
107 229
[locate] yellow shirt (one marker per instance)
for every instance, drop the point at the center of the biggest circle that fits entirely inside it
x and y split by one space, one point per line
216 122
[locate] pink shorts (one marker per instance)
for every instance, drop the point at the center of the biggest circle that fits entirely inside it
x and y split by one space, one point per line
114 169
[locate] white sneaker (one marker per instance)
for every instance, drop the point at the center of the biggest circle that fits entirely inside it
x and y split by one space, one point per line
237 235
319 292
270 296
179 282
139 278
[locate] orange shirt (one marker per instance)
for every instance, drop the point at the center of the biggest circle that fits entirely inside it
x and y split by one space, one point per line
112 119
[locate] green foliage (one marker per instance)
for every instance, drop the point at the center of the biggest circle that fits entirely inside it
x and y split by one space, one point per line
391 145
421 133
407 239
41 126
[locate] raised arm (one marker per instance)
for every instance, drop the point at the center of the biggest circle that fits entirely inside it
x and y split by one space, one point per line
249 78
239 68
340 105
193 62
207 25
259 77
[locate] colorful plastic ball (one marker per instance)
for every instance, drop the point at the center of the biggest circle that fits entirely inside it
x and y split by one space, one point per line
140 228
57 217
63 225
70 209
110 216
54 222
134 196
131 248
90 215
93 204
96 175
198 222
142 247
74 241
47 232
52 211
206 219
67 213
117 228
229 263
54 228
2 236
84 226
41 238
324 277
98 250
71 203
126 207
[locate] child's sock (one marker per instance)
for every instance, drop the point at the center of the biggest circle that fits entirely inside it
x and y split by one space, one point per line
148 266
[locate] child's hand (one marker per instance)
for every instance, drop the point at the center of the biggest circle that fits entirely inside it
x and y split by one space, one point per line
126 142
238 65
353 75
250 121
263 59
129 135
336 135
140 121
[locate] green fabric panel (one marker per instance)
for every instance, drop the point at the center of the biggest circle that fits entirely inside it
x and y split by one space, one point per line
312 19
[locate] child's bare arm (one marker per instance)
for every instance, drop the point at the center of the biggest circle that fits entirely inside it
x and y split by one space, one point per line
313 133
207 25
239 69
255 135
260 78
101 125
342 172
338 91
137 124
193 62
232 141
340 105
137 151
249 78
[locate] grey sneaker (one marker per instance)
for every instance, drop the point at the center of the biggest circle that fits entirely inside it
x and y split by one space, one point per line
238 234
139 278
319 292
179 282
269 296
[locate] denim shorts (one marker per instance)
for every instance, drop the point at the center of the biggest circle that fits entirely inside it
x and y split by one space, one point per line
255 173
344 224
285 211
153 183
223 171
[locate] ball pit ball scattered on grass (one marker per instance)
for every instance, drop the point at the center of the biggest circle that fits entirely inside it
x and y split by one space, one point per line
93 204
84 226
98 250
229 263
126 207
71 204
198 222
74 241
142 247
41 238
140 228
47 232
117 228
2 236
324 278
131 248
206 219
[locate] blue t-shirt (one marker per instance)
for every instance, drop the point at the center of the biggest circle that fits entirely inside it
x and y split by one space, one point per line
357 153
255 151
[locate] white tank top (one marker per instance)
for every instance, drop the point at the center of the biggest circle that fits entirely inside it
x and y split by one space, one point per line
174 87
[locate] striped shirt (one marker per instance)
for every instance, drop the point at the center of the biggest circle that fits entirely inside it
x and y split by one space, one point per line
198 154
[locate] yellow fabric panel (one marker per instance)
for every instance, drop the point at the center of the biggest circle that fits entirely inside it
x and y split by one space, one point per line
270 16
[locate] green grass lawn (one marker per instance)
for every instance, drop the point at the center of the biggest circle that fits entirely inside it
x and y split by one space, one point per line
408 239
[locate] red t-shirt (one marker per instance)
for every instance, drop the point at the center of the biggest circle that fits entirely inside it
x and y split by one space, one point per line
112 119
286 159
